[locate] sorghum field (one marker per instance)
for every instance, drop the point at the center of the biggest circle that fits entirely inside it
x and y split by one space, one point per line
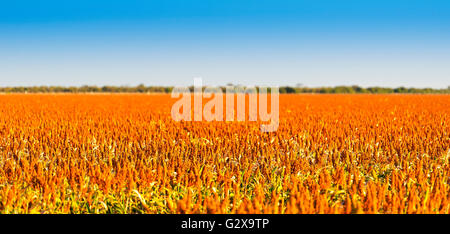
123 153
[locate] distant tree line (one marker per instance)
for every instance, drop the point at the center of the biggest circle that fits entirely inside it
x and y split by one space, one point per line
167 89
357 89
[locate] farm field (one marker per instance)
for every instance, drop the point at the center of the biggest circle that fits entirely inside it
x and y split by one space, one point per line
123 153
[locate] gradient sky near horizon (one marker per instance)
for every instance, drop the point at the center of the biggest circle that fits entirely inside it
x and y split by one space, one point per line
315 43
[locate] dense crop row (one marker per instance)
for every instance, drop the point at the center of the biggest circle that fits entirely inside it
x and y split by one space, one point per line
124 154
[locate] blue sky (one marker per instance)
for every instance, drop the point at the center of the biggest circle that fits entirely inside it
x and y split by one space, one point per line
258 42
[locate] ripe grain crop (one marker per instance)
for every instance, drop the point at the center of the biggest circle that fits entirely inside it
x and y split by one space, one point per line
79 153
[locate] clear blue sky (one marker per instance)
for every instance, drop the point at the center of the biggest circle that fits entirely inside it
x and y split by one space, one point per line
258 42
